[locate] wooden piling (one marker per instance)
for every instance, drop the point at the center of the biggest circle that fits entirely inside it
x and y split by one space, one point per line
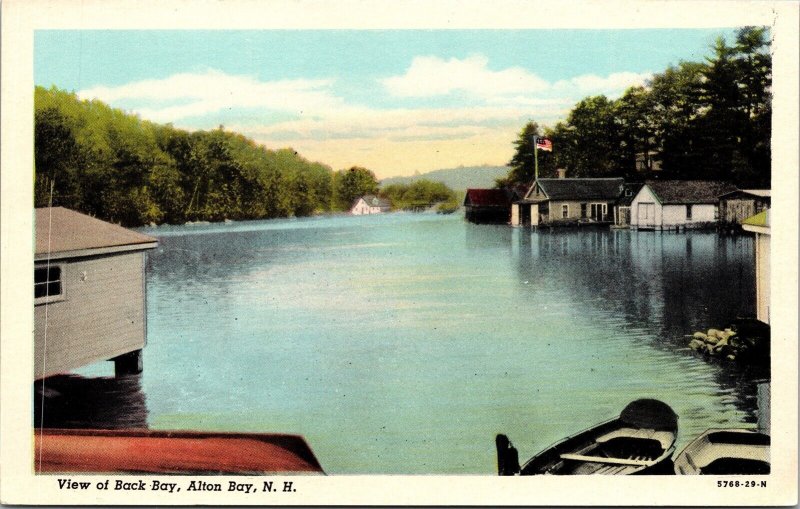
128 364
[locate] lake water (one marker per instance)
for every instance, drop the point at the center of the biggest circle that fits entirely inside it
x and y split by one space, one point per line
404 343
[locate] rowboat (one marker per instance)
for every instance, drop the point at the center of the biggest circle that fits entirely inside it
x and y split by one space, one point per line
725 452
171 452
640 441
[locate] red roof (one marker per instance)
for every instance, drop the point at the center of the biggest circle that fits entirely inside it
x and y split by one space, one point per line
487 198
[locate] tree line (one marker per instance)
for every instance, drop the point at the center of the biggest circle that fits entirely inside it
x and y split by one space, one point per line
115 166
421 194
707 120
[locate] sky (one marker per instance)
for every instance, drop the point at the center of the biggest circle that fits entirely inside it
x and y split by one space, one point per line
395 101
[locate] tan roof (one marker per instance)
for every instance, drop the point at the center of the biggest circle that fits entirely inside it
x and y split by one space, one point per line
73 231
758 192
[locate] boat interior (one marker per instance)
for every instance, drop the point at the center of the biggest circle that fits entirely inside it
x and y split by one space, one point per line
621 451
726 452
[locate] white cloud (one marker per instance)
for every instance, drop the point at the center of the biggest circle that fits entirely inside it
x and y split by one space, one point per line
430 76
188 95
612 85
308 116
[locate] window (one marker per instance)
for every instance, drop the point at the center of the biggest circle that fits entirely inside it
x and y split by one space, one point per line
583 210
47 284
565 211
689 212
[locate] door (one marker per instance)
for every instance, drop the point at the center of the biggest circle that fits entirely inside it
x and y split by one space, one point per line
646 214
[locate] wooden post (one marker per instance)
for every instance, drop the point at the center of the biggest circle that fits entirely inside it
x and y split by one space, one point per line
507 456
763 397
128 364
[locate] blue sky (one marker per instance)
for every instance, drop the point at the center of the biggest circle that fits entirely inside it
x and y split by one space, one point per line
395 101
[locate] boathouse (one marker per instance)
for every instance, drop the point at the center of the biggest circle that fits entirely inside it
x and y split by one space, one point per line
370 204
488 206
89 293
569 201
677 204
622 209
736 206
759 224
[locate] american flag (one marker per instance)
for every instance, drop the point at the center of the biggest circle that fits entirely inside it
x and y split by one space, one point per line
544 144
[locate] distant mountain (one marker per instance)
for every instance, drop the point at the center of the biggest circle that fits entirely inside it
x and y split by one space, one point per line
457 179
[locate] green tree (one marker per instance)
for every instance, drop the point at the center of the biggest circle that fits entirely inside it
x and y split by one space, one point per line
118 167
352 183
523 163
418 194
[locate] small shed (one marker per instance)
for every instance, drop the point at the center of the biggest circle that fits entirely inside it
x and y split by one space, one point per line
370 204
677 204
487 206
738 205
89 293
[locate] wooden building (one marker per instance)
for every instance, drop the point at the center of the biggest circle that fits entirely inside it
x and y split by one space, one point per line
759 224
565 201
89 293
488 206
622 209
370 204
677 204
736 206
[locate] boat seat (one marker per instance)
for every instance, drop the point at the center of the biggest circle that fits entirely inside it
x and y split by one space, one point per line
665 438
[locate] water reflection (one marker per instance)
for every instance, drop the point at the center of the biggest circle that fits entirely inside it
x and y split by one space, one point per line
661 286
72 401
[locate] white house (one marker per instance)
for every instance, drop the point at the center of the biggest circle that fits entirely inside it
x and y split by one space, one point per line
759 224
89 293
677 204
370 204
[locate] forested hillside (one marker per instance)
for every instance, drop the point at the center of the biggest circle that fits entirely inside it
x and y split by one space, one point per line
695 120
421 194
115 166
458 179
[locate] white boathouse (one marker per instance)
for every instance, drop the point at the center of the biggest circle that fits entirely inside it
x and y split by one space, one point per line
677 204
370 204
759 224
89 293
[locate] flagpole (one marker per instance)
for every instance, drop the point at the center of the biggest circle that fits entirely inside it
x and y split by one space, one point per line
535 158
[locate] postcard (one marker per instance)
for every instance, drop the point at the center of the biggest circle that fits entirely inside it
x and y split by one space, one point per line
358 253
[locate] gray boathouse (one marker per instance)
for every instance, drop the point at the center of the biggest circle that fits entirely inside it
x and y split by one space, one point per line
89 293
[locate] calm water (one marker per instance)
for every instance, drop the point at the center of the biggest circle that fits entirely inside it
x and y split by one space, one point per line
403 343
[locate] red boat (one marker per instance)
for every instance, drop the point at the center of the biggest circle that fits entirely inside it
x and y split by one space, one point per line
171 452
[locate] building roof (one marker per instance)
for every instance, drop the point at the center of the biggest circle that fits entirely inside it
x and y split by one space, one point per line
689 191
629 192
574 189
487 198
374 201
756 193
62 231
